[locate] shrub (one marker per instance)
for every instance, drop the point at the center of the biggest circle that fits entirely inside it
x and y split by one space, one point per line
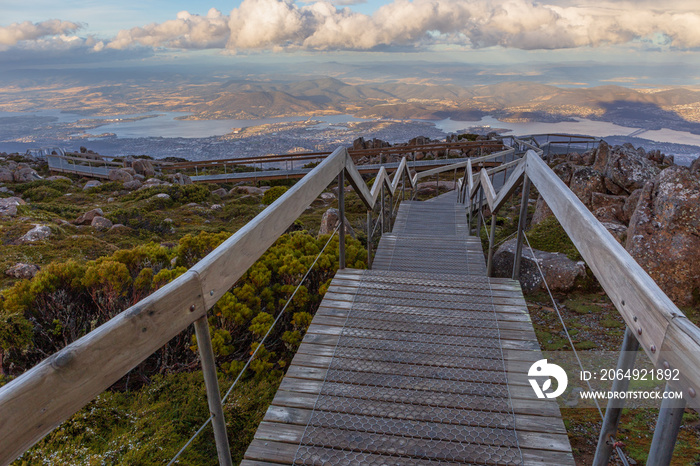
272 194
42 193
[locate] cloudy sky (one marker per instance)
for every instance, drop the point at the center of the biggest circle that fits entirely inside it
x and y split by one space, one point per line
91 30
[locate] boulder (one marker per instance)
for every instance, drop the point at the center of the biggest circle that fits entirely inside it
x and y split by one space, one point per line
132 185
628 169
25 175
221 192
6 175
560 272
663 235
38 233
584 182
87 217
91 184
608 208
695 166
248 190
215 207
120 174
59 178
8 206
101 224
179 178
327 197
630 206
618 230
542 211
601 156
359 144
564 171
22 270
429 187
599 200
162 196
331 220
140 178
143 167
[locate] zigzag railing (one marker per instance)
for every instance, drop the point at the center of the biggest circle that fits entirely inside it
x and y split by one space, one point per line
654 322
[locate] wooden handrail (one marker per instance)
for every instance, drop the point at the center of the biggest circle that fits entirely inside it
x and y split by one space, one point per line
663 331
40 399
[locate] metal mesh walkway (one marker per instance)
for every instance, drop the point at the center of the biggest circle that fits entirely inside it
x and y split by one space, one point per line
406 364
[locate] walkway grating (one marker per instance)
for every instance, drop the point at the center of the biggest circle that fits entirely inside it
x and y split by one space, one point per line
406 364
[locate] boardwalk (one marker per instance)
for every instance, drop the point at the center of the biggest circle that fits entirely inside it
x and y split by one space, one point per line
406 363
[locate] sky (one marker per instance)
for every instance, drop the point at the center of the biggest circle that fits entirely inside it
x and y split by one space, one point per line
92 31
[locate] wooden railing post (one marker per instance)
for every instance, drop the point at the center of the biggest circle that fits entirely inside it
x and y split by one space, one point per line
625 362
478 212
341 205
492 238
382 208
369 239
666 431
201 328
522 221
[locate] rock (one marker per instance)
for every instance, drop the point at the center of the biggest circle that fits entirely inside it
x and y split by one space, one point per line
91 184
359 144
618 230
327 197
695 166
25 175
542 211
6 175
630 206
87 217
429 187
221 192
584 182
38 233
8 206
329 222
179 178
140 178
599 200
118 227
143 167
216 207
608 208
59 178
612 187
101 224
628 169
664 233
601 155
120 174
162 196
4 189
247 190
132 185
22 270
560 272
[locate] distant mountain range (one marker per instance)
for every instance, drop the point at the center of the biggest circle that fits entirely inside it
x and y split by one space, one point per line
220 98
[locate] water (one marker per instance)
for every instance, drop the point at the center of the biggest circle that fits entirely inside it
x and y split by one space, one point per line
580 126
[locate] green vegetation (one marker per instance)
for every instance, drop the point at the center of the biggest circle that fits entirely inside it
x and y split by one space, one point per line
549 236
273 193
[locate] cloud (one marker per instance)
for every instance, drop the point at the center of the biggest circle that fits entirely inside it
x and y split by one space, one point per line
27 31
187 31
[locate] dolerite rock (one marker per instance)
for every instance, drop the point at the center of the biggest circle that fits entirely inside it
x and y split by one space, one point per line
143 167
359 144
132 185
6 175
331 220
179 178
608 208
630 205
584 182
618 230
247 190
101 224
25 175
22 270
38 233
119 174
542 211
8 206
695 166
59 178
429 187
628 168
327 197
664 232
560 272
91 184
221 192
87 217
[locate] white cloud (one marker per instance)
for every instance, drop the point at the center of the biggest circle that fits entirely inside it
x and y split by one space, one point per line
16 32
